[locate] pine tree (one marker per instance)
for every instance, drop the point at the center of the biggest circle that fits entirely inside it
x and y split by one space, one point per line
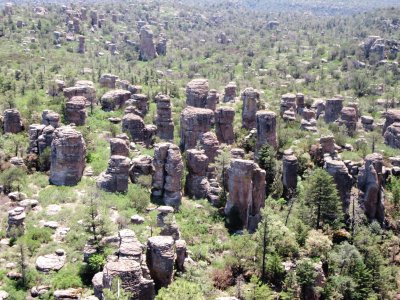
267 161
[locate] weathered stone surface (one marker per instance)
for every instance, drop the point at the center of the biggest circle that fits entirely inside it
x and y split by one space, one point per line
288 101
344 182
251 104
319 107
51 118
147 48
289 176
81 44
51 262
16 218
230 92
197 93
68 294
108 81
119 147
181 254
161 46
374 45
333 107
392 135
309 122
327 144
116 177
114 99
134 125
164 122
82 88
367 123
209 143
300 104
160 257
246 187
370 184
12 122
141 166
55 87
75 111
392 116
237 153
40 137
349 118
289 115
194 122
266 129
224 125
197 185
168 170
212 100
68 151
141 103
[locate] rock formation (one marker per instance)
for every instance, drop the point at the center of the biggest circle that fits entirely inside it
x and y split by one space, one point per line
197 185
141 166
160 257
40 137
251 104
327 144
161 47
116 177
246 187
12 122
168 170
119 146
82 88
370 185
333 108
197 94
308 122
164 122
16 218
75 111
230 92
288 101
266 129
147 48
367 123
349 118
51 118
68 151
392 135
392 116
114 99
289 176
224 125
139 132
141 103
300 104
81 44
194 122
108 81
209 143
51 262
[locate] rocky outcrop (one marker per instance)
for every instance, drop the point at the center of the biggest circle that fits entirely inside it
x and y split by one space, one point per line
164 122
51 118
194 122
141 166
161 46
209 143
12 122
392 116
344 181
81 44
160 257
230 92
349 118
75 111
168 170
119 146
108 81
68 294
251 104
392 135
371 187
374 45
147 48
82 88
333 108
114 99
288 102
16 224
289 174
266 129
51 262
116 177
197 185
308 123
55 87
181 254
134 125
246 187
367 123
141 102
68 151
319 107
40 137
327 144
224 125
198 94
300 103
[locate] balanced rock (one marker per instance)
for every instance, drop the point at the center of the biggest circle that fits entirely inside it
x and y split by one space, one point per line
327 144
164 122
197 185
246 187
141 103
16 218
251 104
116 177
392 116
194 122
68 151
134 125
288 101
224 125
12 122
114 99
197 93
75 111
82 88
367 123
168 170
210 144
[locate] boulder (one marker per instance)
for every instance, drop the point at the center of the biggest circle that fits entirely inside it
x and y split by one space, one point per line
288 101
82 88
141 102
50 118
51 262
344 181
108 81
392 116
349 118
209 143
16 224
134 125
116 177
197 93
68 151
224 125
141 166
68 294
114 99
119 146
230 92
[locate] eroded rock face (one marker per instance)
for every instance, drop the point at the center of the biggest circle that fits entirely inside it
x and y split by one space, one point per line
327 144
246 187
224 125
82 88
344 182
370 184
392 116
141 166
197 93
266 129
194 122
289 178
300 103
81 44
251 103
16 218
168 170
160 259
164 122
288 101
349 118
51 262
108 81
147 48
367 123
68 151
230 92
75 111
119 146
141 103
197 185
333 108
161 46
114 99
392 135
40 137
138 130
116 177
50 117
209 143
12 122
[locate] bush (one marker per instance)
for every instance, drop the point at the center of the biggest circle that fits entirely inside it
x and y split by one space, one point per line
67 277
317 244
223 279
34 238
182 290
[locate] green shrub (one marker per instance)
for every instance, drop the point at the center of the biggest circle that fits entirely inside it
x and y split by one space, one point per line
67 277
35 237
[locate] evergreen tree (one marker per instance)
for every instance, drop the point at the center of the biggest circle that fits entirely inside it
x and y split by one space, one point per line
267 161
